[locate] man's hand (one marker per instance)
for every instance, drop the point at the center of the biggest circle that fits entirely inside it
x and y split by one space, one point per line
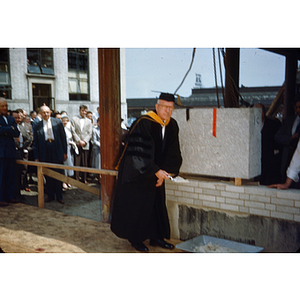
65 156
282 186
161 175
82 143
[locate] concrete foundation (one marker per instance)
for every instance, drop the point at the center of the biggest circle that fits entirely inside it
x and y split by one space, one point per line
274 235
250 214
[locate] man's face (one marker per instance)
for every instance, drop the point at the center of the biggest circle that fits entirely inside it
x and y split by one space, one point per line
33 115
297 108
24 114
18 118
164 109
90 116
21 116
82 112
45 111
3 107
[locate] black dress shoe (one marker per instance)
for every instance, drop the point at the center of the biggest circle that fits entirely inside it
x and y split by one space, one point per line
3 203
61 201
49 200
14 201
162 244
140 247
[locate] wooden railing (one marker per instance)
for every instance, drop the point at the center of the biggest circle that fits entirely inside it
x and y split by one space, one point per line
45 169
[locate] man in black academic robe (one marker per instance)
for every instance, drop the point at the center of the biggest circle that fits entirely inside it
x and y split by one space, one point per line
151 155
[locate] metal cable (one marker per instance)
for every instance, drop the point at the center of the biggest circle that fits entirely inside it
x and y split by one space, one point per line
193 56
215 72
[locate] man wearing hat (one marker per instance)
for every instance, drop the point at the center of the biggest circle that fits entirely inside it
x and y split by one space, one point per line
151 155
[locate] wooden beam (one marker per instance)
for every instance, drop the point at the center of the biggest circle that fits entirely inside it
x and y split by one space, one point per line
40 178
110 122
232 63
290 85
73 182
65 167
238 181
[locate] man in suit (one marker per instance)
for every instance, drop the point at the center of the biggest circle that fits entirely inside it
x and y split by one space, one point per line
50 145
8 131
82 130
270 150
288 136
28 127
22 143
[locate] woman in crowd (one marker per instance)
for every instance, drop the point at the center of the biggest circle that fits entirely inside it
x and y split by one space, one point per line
96 162
71 144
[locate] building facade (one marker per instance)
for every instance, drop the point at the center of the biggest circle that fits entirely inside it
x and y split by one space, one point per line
207 97
63 78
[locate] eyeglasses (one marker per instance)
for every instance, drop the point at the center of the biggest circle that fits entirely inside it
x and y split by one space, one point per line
166 107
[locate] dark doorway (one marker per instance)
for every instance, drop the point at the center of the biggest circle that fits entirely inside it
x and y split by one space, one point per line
41 94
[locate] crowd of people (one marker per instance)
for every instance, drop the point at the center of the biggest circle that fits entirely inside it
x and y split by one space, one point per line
279 141
46 136
151 155
288 137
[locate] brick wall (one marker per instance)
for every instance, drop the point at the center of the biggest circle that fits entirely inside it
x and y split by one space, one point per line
248 199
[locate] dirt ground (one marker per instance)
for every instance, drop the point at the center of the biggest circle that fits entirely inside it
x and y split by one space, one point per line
74 227
77 202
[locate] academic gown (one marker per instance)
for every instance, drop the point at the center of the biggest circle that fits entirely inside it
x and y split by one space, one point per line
139 209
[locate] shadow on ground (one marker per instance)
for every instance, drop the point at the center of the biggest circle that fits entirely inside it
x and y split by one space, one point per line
77 202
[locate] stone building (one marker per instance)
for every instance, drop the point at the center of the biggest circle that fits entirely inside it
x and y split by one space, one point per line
207 97
63 78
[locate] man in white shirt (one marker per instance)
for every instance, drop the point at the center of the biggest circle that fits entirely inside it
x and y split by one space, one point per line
50 145
288 136
22 142
292 172
82 130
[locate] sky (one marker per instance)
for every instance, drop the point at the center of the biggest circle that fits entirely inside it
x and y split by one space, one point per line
163 69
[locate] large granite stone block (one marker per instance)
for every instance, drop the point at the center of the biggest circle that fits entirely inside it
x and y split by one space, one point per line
234 151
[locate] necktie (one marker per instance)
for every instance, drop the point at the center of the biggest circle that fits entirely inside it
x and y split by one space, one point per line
49 130
20 137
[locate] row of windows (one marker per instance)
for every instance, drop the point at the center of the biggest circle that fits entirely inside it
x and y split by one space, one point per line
5 85
40 61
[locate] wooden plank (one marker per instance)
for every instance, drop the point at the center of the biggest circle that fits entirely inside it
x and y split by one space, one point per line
71 181
40 178
110 121
238 181
75 168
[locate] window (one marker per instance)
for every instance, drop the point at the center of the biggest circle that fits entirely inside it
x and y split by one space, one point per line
78 74
5 85
40 61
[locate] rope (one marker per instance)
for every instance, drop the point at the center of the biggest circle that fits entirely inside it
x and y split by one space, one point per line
233 86
193 56
216 80
221 76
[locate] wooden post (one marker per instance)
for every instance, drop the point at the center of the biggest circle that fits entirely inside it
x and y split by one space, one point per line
232 63
290 85
40 178
238 181
110 122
